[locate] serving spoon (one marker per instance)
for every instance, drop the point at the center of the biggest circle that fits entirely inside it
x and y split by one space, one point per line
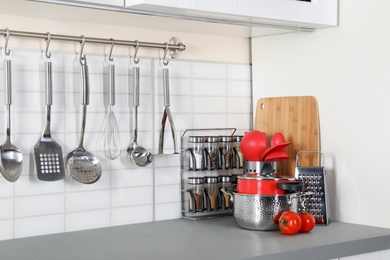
11 157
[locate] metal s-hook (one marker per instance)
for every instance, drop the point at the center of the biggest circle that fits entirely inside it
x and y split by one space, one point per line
48 55
82 58
6 51
136 59
166 50
112 47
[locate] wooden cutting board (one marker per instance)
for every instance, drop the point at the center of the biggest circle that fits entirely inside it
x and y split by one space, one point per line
297 118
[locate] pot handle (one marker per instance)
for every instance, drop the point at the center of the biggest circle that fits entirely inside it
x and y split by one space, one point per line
290 187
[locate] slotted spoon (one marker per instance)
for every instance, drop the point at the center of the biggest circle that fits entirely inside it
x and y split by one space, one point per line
82 165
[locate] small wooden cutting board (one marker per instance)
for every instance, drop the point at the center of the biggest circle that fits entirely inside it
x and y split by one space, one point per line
296 117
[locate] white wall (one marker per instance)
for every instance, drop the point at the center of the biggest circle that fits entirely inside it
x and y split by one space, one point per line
348 70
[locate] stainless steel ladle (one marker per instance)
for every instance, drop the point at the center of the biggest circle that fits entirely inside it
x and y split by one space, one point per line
135 153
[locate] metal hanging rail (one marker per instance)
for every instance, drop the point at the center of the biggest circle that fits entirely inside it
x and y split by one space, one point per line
172 46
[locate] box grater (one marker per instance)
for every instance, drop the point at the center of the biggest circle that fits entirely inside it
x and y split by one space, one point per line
315 180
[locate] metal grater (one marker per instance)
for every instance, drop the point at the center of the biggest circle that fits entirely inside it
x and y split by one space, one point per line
315 180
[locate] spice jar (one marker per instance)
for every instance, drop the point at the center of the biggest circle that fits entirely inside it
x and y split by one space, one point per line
195 188
195 147
211 152
211 192
238 158
225 152
225 182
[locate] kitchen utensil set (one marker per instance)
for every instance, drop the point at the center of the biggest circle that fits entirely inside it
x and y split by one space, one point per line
253 147
81 165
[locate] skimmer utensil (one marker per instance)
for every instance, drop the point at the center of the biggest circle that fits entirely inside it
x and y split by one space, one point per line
11 157
82 165
47 152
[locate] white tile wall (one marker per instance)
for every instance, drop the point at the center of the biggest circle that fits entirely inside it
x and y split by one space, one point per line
203 95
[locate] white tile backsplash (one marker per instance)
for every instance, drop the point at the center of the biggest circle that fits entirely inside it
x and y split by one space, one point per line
7 208
6 188
87 220
202 95
39 205
40 225
7 229
167 193
132 196
131 215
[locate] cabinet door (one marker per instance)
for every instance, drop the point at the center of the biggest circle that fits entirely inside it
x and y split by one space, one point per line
315 13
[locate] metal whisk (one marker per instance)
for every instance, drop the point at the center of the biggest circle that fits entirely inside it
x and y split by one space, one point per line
110 140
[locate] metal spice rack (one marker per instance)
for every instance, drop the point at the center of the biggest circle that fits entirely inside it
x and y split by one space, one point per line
188 210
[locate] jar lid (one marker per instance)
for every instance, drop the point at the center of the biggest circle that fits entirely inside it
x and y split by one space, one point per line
211 179
226 138
225 178
196 139
195 180
211 139
237 138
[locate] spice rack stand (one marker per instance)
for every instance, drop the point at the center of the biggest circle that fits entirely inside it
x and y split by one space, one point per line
202 206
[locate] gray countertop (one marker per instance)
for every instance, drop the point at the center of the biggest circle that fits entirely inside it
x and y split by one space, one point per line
218 238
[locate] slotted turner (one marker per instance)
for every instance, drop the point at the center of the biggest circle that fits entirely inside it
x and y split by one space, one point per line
48 153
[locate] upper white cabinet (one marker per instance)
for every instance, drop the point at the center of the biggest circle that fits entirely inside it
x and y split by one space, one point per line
290 13
100 2
255 17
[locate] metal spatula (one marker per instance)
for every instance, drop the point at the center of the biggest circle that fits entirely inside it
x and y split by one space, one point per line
48 153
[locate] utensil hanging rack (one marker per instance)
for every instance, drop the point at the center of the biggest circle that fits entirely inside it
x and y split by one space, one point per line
173 47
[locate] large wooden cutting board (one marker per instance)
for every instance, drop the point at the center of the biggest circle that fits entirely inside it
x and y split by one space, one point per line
297 118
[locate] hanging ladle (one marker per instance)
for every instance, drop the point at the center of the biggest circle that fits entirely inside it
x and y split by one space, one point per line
11 157
135 153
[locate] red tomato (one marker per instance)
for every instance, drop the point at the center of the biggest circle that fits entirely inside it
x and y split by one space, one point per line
308 222
290 223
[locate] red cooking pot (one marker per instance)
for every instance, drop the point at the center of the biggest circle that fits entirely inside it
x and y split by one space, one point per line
264 182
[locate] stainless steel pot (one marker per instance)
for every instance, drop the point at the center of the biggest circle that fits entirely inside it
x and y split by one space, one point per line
260 212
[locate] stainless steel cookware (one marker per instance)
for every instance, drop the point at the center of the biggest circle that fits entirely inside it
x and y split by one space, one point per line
260 212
